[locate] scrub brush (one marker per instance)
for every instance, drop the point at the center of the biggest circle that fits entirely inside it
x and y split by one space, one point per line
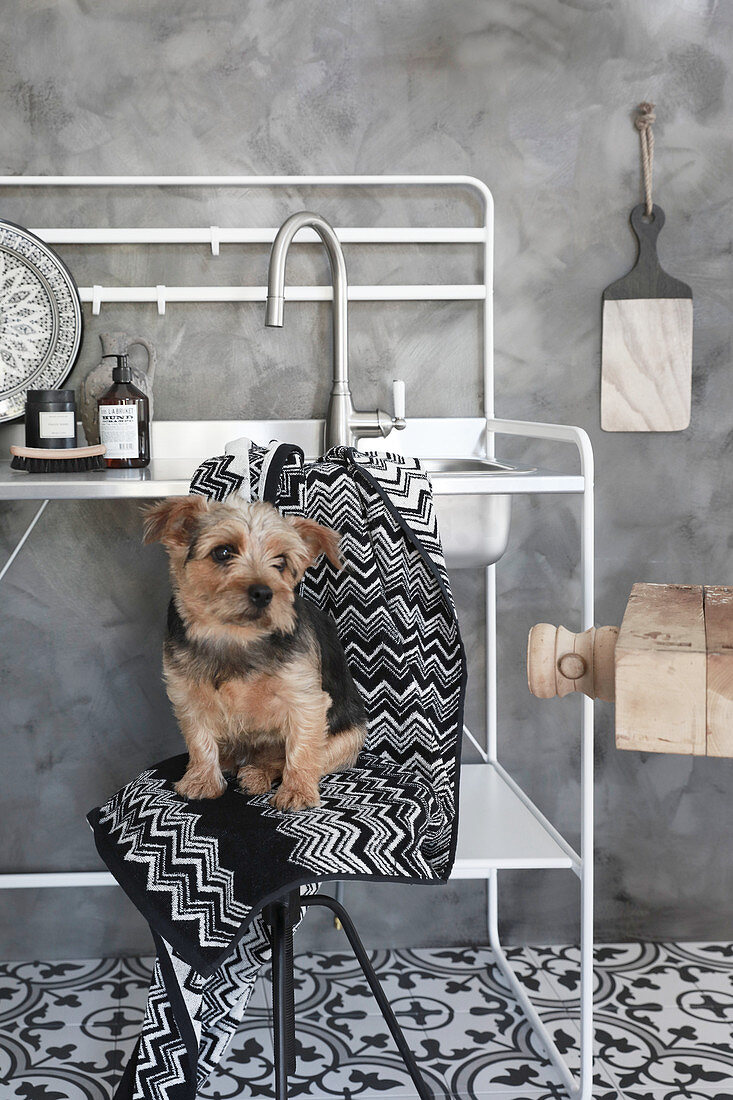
69 460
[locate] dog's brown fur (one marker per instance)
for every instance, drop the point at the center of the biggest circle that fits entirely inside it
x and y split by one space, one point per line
246 681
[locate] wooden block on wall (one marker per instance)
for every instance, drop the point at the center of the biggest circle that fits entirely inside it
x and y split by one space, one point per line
719 631
661 671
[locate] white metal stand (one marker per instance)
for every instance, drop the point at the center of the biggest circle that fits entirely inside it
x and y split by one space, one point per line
501 827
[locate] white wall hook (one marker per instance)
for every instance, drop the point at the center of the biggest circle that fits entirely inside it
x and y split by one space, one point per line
215 240
160 290
96 299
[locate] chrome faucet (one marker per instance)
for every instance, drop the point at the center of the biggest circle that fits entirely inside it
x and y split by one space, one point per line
344 423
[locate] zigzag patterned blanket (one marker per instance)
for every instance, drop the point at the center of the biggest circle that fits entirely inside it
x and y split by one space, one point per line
200 873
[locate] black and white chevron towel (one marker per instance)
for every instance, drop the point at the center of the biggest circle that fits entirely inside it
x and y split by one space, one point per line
201 872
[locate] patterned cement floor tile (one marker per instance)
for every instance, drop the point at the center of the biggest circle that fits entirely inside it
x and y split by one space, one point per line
664 1018
59 1063
675 1050
133 979
485 1055
247 1067
624 973
357 1055
71 991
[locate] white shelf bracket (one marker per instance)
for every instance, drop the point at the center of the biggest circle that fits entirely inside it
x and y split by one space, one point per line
23 538
479 748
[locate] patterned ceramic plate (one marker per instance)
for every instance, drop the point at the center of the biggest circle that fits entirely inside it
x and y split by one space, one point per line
40 318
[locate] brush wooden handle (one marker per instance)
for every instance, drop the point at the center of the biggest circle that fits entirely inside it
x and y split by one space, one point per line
60 453
560 662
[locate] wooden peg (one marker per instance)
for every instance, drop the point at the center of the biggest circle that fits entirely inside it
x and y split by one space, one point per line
669 669
560 662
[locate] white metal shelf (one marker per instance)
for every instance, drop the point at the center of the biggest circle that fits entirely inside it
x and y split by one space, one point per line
34 880
171 477
183 445
498 830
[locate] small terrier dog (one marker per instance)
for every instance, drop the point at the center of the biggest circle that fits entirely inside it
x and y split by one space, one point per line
256 674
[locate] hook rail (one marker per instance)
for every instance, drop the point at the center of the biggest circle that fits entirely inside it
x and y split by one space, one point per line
162 295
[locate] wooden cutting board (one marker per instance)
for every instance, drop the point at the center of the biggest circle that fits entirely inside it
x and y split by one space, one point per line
646 354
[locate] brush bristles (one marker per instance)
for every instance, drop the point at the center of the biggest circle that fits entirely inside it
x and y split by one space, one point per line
58 465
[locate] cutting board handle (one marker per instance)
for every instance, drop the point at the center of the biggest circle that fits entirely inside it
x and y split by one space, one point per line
647 278
647 229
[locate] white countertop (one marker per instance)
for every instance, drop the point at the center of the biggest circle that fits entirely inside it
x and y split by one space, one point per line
179 446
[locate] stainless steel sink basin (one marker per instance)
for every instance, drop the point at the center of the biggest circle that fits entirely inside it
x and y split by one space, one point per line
474 527
469 466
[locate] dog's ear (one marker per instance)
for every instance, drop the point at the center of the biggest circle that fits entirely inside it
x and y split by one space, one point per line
171 521
318 540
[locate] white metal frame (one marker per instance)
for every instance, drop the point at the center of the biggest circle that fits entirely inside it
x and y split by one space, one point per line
556 852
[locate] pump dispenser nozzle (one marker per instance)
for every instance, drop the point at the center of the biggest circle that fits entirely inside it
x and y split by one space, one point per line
122 372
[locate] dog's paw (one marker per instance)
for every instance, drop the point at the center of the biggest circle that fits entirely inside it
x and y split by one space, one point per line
255 780
295 798
196 785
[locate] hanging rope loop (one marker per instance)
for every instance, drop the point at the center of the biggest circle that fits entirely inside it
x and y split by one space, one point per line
643 123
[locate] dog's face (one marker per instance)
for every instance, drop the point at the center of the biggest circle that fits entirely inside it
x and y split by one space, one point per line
235 567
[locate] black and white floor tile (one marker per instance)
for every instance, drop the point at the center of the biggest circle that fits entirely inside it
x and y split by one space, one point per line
664 1017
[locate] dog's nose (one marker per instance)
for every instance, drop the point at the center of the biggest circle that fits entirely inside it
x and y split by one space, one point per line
260 594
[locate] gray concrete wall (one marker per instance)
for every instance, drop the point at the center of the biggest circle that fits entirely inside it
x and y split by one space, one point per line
536 99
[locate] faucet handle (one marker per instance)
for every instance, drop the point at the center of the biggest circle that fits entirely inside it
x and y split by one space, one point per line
398 401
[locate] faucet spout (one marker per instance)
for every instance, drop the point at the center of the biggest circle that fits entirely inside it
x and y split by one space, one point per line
274 311
344 423
275 308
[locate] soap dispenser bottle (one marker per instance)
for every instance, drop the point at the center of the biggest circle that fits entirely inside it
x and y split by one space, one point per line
124 420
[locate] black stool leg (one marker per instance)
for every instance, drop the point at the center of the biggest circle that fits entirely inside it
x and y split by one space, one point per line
281 915
379 995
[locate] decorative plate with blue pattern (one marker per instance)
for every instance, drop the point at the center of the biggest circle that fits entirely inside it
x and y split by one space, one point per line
40 318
